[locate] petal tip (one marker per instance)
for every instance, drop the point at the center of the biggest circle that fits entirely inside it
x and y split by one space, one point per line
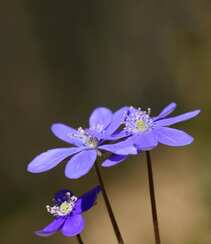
71 176
54 125
104 164
38 233
31 169
173 104
198 111
43 234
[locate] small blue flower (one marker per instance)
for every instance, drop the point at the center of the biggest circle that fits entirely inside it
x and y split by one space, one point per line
89 143
146 132
68 211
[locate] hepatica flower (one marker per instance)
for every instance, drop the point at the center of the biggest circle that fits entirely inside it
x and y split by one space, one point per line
67 212
88 144
146 132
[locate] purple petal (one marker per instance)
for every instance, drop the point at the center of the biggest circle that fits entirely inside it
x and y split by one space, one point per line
145 141
100 118
73 225
166 111
176 119
50 229
117 119
121 148
96 134
50 159
113 160
172 137
87 200
116 136
66 133
80 164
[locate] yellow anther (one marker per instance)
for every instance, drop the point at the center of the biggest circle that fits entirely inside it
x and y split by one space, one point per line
140 125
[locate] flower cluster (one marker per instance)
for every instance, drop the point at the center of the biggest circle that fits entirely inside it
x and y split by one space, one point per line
146 132
88 144
128 131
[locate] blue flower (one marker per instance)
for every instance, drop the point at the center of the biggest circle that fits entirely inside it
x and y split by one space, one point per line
68 211
89 143
146 132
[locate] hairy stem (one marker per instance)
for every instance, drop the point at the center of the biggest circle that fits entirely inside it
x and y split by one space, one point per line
108 206
152 198
79 239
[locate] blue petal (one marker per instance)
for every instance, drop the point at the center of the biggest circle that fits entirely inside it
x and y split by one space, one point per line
96 134
145 141
100 118
113 160
50 159
177 119
87 200
121 148
66 133
172 137
166 111
116 136
80 164
73 225
50 229
117 120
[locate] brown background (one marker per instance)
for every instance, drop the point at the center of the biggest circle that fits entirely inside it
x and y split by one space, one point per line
61 59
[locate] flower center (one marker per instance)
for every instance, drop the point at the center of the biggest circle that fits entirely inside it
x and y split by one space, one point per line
65 208
91 142
140 125
137 120
87 137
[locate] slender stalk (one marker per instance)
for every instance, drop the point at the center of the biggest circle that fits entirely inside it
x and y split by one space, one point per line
108 206
152 198
79 239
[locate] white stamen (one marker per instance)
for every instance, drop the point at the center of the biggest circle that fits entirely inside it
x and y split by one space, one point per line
138 120
68 196
65 208
86 137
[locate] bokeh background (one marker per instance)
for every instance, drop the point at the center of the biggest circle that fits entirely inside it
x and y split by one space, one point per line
61 59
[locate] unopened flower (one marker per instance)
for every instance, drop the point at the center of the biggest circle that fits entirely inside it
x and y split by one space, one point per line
89 143
67 212
146 132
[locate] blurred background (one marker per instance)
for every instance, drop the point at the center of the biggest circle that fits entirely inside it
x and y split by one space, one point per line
60 60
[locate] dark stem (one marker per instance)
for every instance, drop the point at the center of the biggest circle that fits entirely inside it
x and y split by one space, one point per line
79 239
108 206
152 197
